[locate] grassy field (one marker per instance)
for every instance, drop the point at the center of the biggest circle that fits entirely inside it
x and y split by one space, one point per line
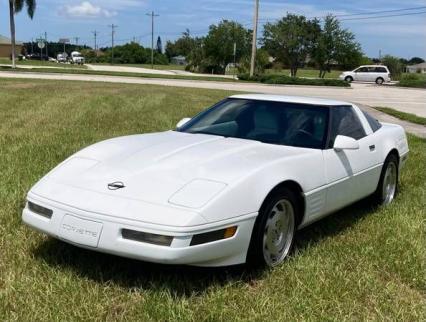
402 115
109 73
40 63
363 263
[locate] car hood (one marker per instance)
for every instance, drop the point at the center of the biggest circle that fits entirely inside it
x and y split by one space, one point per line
168 168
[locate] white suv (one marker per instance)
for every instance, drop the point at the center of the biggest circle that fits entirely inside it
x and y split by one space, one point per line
368 73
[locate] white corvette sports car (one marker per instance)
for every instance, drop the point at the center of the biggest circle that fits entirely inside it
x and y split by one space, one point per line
231 185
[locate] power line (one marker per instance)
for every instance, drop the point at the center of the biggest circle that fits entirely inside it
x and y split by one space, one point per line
379 12
369 13
386 16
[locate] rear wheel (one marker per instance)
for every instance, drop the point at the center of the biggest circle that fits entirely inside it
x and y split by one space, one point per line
274 231
380 81
388 183
349 79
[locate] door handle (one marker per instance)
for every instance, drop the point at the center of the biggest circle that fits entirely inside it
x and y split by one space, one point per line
372 148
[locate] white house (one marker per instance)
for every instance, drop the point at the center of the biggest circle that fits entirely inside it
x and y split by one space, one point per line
416 68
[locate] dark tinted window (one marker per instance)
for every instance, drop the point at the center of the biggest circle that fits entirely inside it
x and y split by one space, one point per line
345 122
266 121
362 70
380 70
374 124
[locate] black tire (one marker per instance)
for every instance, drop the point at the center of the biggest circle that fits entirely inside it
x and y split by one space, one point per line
380 197
380 81
349 79
255 255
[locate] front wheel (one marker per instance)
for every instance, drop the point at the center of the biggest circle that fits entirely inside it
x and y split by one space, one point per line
388 183
349 79
274 231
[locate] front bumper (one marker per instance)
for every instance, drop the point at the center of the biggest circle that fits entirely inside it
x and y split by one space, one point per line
104 234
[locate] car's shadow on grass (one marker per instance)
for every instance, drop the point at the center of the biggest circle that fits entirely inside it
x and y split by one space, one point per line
183 280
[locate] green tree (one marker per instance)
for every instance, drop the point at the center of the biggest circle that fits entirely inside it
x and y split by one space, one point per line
159 45
182 46
333 44
16 6
219 44
262 62
291 40
196 57
416 60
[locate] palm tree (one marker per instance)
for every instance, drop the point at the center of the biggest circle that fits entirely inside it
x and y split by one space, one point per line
16 6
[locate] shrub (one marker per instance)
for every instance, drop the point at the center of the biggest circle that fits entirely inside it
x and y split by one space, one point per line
394 64
412 80
287 80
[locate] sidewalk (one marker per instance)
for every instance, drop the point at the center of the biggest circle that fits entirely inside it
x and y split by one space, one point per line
416 129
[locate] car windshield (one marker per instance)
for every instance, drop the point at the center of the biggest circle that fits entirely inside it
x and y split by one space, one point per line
282 123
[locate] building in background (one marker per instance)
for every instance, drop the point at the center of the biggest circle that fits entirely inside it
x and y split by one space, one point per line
419 68
179 60
6 47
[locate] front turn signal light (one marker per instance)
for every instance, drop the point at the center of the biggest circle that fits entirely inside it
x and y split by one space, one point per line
212 236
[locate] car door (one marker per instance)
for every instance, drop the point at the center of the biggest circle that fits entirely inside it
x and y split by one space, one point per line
361 74
348 171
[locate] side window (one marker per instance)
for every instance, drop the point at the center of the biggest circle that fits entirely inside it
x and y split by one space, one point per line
374 124
345 122
362 70
381 70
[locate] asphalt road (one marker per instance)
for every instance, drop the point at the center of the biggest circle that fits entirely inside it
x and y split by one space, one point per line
403 99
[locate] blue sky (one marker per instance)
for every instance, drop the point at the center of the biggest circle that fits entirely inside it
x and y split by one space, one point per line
403 36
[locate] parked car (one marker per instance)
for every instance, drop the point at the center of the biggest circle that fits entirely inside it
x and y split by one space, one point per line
62 58
369 73
36 56
77 58
231 185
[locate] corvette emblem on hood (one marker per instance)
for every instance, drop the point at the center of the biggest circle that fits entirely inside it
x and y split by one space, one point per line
116 185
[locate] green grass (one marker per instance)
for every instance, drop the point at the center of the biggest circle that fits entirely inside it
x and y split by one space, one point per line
402 115
413 80
109 73
40 63
363 263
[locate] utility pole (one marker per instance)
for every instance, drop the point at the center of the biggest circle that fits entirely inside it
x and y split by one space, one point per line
76 40
235 59
254 42
152 36
45 40
112 42
32 46
95 34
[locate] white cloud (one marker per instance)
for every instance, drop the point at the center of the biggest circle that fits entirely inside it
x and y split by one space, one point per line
86 10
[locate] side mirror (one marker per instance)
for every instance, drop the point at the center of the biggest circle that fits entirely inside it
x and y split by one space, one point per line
345 143
182 122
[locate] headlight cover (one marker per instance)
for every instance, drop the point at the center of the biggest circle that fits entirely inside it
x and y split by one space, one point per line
197 193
